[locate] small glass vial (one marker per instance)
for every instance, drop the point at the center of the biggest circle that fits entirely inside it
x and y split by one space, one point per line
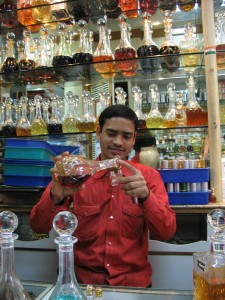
212 197
180 115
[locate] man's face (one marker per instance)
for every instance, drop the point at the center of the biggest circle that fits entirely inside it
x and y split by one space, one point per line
116 138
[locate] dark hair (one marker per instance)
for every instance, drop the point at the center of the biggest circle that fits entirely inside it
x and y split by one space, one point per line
118 111
144 139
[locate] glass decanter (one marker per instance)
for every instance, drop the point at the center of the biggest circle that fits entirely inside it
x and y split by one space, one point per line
186 5
103 56
129 8
10 66
67 287
23 126
38 125
8 13
125 52
54 125
170 116
10 285
171 63
195 113
26 63
25 15
188 45
180 115
9 127
220 40
167 5
154 118
137 94
45 103
69 124
209 266
104 101
148 47
74 170
149 6
120 96
87 121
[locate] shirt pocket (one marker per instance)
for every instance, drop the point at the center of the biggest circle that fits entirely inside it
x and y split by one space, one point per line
88 220
132 222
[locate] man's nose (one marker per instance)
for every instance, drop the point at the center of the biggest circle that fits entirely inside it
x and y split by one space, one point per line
118 140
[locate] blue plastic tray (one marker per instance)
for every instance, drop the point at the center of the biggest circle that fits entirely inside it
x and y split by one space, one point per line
27 181
28 153
185 175
188 198
27 169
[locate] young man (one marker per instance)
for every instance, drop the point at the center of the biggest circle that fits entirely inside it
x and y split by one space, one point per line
112 232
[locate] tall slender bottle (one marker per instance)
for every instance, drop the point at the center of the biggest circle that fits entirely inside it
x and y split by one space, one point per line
10 66
104 101
148 47
170 116
11 287
120 96
55 123
67 287
23 126
154 118
137 94
87 120
70 122
181 116
38 125
9 127
125 52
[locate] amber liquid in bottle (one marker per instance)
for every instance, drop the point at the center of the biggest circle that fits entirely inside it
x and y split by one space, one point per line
25 17
71 181
196 117
154 122
23 131
42 10
186 5
105 66
148 64
129 8
128 68
86 126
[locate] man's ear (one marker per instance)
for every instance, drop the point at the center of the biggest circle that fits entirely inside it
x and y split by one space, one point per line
98 132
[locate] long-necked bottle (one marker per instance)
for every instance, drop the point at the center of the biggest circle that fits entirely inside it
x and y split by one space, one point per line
67 287
209 266
104 101
171 63
125 52
120 96
103 56
69 124
10 66
23 126
10 286
38 125
137 94
87 120
154 118
170 116
9 127
181 116
148 47
54 125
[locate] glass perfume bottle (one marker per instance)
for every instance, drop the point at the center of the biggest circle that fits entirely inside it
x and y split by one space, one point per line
103 56
120 96
129 8
69 124
137 94
10 66
188 45
171 63
148 47
154 118
74 170
170 116
209 266
180 115
23 126
67 287
10 286
186 5
125 52
38 125
104 101
25 16
9 127
220 40
54 125
87 121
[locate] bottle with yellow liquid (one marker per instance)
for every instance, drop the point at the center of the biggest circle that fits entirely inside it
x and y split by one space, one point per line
38 125
209 266
154 118
69 124
170 116
87 121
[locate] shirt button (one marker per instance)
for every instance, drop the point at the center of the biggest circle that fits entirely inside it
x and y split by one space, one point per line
109 243
112 196
107 265
111 217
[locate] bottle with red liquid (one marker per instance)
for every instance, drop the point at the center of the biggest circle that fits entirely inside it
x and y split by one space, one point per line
149 6
137 94
129 8
220 40
196 116
148 47
54 126
186 5
9 127
169 61
10 66
8 16
103 56
125 52
23 126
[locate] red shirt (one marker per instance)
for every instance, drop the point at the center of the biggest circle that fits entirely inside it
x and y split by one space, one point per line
112 232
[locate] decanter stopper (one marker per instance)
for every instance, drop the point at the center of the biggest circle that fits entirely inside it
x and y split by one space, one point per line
216 220
8 223
65 223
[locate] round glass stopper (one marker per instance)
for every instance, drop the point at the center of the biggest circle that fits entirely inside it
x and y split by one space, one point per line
8 222
65 223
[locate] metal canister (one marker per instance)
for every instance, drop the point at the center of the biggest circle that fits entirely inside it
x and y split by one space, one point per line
183 187
169 187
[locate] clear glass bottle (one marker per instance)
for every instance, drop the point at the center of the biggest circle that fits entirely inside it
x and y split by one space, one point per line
129 8
180 115
137 94
154 118
209 266
69 124
125 53
186 5
38 125
169 119
67 287
10 286
171 63
120 96
74 170
103 56
9 127
188 45
87 120
148 47
104 101
220 40
149 6
10 66
54 125
23 126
